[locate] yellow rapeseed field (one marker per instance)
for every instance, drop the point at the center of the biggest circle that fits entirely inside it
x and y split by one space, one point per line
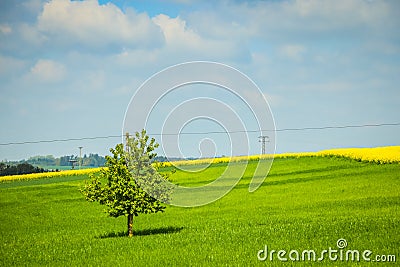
387 154
381 155
48 174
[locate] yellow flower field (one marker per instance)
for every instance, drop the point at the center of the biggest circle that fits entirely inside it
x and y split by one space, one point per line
381 155
48 174
388 154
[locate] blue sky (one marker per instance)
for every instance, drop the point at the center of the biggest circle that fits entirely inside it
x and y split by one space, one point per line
69 68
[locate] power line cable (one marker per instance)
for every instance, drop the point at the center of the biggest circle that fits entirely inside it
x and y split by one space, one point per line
337 127
60 140
204 133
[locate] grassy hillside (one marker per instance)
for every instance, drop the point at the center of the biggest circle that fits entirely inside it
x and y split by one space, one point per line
305 203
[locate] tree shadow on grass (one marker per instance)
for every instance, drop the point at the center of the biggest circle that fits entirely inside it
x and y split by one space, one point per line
144 232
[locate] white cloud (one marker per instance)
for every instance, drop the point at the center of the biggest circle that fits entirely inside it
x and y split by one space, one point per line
176 32
48 71
333 14
230 26
5 29
297 19
180 38
294 52
136 58
94 25
33 6
31 35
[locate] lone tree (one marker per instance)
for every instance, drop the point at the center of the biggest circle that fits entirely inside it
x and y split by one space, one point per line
130 184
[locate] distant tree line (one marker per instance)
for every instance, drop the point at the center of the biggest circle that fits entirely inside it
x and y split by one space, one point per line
22 168
50 163
91 160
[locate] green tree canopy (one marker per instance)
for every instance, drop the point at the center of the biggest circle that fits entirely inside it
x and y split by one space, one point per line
130 184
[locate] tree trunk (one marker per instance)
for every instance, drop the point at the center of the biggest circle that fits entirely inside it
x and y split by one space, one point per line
130 225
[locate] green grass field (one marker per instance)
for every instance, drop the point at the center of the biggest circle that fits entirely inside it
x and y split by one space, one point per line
305 203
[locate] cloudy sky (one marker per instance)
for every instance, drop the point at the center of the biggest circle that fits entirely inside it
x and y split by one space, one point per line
68 69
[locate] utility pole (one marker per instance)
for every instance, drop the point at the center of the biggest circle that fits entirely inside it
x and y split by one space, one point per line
263 140
80 156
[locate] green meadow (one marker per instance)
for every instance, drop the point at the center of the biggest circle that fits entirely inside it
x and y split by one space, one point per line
305 203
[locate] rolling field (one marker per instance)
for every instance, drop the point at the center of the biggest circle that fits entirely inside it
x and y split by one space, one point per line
306 203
